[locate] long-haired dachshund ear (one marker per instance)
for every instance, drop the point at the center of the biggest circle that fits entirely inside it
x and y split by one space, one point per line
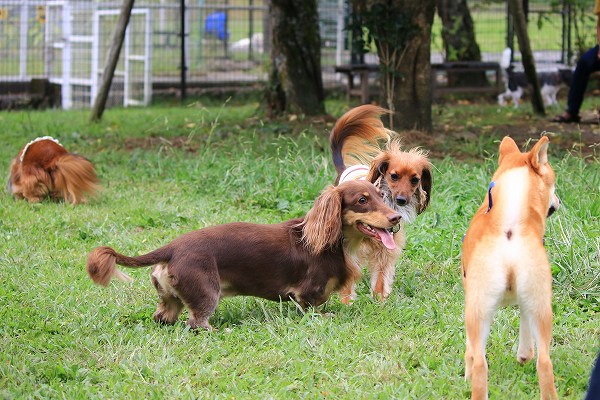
322 225
424 189
378 167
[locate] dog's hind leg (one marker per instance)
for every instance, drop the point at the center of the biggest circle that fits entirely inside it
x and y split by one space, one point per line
542 332
526 351
170 306
168 310
535 304
478 317
196 280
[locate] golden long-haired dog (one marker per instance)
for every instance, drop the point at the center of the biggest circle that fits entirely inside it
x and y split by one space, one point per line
504 262
362 148
304 259
44 168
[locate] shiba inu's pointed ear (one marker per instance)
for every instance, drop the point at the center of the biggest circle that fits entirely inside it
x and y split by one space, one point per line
507 146
539 153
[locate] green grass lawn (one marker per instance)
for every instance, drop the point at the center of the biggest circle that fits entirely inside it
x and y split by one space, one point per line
167 170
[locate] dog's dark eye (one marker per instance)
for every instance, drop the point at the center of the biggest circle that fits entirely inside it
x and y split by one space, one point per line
414 180
362 200
394 176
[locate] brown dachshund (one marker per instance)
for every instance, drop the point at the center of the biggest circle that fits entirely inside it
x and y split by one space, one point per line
44 168
362 148
303 259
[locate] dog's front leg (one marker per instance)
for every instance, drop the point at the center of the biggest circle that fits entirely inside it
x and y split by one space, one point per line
501 101
382 269
348 292
381 282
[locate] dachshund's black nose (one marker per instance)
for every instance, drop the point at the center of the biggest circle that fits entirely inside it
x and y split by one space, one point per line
401 200
394 218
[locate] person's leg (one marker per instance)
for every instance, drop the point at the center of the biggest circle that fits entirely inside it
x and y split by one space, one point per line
587 64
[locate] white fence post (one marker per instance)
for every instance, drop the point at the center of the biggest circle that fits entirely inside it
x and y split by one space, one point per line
24 25
67 21
339 33
95 56
148 60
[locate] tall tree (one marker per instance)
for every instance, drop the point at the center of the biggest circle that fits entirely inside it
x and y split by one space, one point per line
516 10
295 82
112 60
458 36
401 31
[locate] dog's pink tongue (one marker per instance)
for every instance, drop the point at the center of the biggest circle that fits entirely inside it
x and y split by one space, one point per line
387 238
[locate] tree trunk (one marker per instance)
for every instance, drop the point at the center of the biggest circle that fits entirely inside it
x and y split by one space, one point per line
112 60
295 82
458 36
404 49
516 9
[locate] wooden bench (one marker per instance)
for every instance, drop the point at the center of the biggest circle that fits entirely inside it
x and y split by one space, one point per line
466 67
364 71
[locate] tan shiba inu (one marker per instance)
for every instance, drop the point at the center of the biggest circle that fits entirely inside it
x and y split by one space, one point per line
504 262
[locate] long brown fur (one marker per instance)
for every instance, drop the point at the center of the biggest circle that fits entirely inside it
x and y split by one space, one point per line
48 170
504 263
404 178
358 136
304 259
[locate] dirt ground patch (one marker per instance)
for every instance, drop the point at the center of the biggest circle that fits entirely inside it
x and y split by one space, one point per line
578 139
448 139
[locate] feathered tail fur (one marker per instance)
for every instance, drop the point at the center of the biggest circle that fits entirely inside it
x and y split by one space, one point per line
358 136
101 263
75 177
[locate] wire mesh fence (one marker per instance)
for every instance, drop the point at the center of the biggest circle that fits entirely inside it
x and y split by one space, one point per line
209 43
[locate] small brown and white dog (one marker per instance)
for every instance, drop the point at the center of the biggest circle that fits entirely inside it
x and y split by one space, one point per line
44 168
504 262
362 148
304 259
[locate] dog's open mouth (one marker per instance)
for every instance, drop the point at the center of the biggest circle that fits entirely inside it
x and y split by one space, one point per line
383 235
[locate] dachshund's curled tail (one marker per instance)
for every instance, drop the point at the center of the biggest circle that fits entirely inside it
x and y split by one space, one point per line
101 263
358 136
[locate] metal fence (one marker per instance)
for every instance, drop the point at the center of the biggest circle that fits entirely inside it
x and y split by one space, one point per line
225 43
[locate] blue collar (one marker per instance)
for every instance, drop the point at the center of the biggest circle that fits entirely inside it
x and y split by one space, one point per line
490 202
